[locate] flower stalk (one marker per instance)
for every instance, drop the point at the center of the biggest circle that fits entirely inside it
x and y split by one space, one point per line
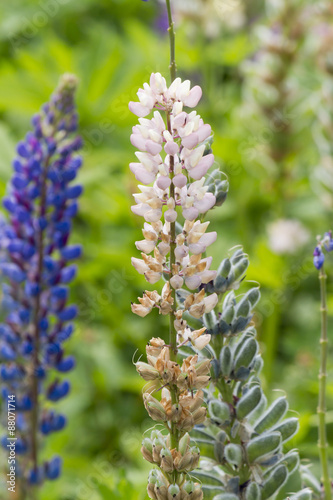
322 442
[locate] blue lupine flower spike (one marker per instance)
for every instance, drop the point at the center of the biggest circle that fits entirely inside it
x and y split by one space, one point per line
36 263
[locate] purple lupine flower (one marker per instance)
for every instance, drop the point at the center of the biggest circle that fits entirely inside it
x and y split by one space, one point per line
318 257
328 241
36 264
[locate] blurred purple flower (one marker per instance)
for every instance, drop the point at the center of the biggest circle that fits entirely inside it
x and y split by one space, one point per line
34 257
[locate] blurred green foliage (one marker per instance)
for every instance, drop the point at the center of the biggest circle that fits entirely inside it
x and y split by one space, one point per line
113 46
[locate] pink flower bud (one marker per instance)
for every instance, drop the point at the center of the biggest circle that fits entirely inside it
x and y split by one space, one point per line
181 252
179 180
190 213
193 97
170 215
171 148
193 282
176 282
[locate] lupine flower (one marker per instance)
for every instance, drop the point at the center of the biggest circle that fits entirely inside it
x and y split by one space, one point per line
172 162
37 268
325 243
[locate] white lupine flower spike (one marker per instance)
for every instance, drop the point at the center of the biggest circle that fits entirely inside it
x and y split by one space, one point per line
172 194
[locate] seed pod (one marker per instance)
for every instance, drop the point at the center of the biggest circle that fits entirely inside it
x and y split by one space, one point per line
263 446
224 268
274 482
288 428
305 494
253 296
273 415
248 402
226 361
219 412
233 454
226 496
253 492
246 354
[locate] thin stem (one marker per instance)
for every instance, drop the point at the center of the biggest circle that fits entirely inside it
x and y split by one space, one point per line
173 66
174 433
322 443
36 320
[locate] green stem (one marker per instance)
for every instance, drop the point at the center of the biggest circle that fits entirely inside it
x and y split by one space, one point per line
173 66
322 443
174 433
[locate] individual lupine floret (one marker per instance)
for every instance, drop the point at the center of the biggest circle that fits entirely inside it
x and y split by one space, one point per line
37 268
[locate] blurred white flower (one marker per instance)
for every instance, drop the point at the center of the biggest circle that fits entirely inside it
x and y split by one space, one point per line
287 236
210 15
